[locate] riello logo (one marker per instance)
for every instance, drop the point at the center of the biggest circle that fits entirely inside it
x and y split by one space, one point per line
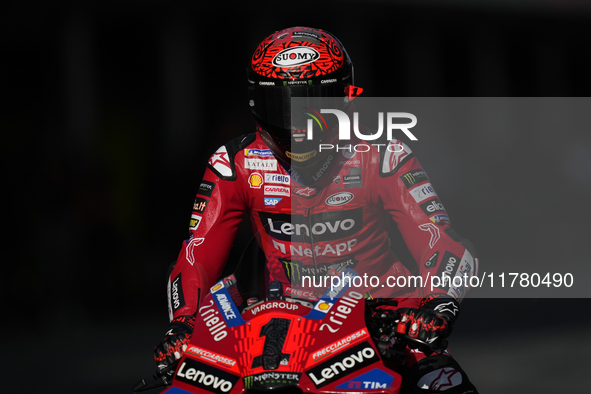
295 56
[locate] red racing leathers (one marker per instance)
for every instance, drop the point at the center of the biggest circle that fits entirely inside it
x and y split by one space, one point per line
305 231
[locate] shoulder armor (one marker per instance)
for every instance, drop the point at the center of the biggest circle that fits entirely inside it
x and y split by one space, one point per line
222 161
393 155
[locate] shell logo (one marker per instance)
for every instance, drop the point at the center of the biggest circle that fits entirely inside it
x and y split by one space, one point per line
216 287
255 180
323 306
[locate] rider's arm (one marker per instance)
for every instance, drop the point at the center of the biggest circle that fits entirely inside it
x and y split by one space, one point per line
217 212
408 195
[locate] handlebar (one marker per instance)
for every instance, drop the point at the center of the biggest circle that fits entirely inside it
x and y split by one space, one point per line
163 379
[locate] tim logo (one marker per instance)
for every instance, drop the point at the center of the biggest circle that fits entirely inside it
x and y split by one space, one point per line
376 379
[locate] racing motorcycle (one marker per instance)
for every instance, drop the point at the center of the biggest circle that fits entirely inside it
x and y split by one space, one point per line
287 344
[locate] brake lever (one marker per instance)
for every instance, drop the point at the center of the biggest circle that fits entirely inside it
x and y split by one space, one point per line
161 377
143 386
425 347
163 373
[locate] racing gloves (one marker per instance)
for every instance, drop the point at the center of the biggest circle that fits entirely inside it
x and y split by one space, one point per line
432 322
175 341
429 324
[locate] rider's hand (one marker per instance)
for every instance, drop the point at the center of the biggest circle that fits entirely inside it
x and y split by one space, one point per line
175 341
432 322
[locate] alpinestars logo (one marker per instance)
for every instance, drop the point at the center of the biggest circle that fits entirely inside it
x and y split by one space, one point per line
450 307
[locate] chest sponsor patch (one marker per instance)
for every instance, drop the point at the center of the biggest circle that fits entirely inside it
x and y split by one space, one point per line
295 270
348 178
338 199
324 226
272 190
260 164
258 152
277 178
255 180
271 202
306 192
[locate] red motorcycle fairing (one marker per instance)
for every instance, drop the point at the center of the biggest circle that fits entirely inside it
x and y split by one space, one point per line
282 343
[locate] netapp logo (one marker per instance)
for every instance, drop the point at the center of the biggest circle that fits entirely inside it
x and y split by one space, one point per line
342 364
205 377
325 226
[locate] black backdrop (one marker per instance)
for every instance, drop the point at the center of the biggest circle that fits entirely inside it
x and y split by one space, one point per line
111 110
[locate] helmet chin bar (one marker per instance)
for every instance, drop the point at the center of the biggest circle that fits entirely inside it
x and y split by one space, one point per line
274 145
309 172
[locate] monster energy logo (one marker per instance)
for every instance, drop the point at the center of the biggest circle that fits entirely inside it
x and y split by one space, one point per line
294 269
271 379
413 177
248 381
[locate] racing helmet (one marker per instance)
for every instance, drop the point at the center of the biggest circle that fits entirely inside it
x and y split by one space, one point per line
311 66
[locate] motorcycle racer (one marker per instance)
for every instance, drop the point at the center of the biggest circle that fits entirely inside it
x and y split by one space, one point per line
315 212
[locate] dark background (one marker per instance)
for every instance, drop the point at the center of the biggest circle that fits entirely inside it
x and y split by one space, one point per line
111 110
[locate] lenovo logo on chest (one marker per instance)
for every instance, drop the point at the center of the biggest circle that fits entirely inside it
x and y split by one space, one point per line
325 226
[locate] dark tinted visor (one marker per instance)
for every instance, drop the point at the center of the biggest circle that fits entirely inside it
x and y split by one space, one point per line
273 106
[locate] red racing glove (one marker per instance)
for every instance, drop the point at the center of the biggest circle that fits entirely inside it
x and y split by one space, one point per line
432 322
175 341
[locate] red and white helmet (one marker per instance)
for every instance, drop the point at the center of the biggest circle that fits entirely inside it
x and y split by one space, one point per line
298 62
